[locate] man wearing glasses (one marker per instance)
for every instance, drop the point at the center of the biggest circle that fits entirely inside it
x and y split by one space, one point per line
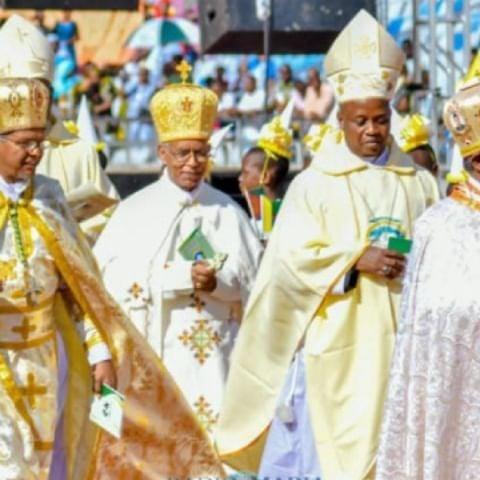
26 53
181 256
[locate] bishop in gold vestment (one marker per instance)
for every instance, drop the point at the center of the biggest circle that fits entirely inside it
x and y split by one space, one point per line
26 53
54 310
328 287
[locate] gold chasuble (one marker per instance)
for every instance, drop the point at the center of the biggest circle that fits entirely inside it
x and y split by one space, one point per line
332 212
161 438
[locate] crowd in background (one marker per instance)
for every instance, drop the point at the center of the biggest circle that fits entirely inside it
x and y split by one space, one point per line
119 95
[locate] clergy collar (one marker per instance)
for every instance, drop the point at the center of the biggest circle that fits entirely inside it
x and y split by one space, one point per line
177 194
335 158
13 190
379 161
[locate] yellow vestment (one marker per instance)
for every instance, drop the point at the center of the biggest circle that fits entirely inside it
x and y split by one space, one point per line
332 212
160 438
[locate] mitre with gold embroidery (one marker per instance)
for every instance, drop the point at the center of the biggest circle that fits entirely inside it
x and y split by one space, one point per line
364 61
24 51
461 115
275 136
414 132
184 111
24 104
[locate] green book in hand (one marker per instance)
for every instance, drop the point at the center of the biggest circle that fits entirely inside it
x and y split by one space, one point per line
196 247
400 245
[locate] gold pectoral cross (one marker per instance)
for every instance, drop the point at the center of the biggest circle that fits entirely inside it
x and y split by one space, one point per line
31 390
25 328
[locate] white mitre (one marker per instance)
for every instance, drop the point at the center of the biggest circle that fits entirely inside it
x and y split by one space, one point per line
24 50
364 61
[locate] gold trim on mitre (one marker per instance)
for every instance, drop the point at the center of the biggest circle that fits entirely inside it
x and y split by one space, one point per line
24 104
414 132
184 111
461 115
275 139
25 51
364 61
275 136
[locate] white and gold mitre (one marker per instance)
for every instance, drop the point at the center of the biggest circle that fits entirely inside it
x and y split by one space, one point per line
184 111
461 118
364 61
24 50
24 104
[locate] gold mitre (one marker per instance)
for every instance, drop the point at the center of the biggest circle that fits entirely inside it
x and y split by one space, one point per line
24 104
461 117
275 137
24 51
364 61
414 132
184 111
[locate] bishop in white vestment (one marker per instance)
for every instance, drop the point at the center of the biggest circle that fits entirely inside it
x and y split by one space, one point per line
188 310
431 427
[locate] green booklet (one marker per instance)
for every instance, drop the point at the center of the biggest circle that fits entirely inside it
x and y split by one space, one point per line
400 245
196 247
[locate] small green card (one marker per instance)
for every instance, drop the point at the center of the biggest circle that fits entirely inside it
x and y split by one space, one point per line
196 247
107 410
400 245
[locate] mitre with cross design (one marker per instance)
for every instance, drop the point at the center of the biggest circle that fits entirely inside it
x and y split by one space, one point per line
364 61
184 111
24 51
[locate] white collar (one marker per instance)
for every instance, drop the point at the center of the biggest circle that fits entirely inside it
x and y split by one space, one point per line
183 197
13 190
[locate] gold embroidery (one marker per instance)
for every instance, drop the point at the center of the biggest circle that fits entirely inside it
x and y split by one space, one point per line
135 290
205 414
43 446
184 70
365 47
25 328
32 390
202 340
198 303
7 269
187 104
94 339
29 343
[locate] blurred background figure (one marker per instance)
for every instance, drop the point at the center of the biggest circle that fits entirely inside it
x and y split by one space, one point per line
67 32
319 99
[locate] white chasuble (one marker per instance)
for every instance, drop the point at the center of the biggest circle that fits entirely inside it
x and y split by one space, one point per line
192 332
432 413
332 212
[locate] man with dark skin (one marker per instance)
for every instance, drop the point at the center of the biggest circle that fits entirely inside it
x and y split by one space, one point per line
366 126
312 356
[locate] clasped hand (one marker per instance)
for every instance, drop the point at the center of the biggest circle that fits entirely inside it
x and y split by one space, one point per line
381 262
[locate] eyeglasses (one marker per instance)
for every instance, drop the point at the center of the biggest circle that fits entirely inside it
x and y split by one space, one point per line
183 155
32 146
